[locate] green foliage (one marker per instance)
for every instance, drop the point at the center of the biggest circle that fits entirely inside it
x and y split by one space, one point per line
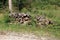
41 4
3 4
38 7
6 20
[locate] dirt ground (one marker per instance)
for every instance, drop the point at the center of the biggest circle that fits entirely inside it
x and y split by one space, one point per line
23 36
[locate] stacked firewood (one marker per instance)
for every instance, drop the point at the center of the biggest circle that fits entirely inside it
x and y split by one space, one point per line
23 18
20 17
42 20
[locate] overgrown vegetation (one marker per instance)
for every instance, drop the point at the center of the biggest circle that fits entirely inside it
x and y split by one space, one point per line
49 8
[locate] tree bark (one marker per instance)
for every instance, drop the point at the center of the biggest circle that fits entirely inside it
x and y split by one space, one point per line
10 5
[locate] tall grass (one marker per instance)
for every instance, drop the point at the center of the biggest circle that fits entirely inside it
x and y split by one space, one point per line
48 8
54 15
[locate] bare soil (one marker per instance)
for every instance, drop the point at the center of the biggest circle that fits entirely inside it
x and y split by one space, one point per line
23 36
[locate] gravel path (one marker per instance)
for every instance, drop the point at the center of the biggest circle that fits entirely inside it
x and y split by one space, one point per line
15 36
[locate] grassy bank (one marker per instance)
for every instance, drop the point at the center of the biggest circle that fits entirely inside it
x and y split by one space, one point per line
46 30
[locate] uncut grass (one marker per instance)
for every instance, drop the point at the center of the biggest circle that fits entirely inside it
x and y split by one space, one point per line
52 29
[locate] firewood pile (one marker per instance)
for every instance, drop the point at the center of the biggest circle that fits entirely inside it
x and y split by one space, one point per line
20 17
23 18
42 20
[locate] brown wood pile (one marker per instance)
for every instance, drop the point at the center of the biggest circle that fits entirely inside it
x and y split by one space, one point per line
22 18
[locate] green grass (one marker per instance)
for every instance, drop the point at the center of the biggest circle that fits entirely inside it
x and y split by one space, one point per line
54 15
49 8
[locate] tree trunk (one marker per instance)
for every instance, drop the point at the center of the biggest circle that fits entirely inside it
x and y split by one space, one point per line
10 5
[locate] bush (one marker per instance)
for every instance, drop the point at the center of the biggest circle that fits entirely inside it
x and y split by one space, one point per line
6 19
